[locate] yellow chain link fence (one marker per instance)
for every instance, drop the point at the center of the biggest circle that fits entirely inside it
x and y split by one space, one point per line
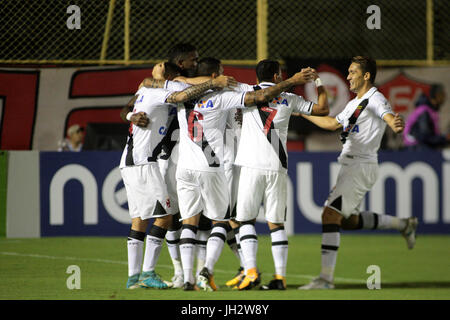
411 32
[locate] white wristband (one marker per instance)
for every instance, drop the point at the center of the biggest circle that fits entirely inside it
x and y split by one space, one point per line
318 82
129 114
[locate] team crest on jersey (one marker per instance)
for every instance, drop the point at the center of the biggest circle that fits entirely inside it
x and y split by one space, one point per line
205 104
279 100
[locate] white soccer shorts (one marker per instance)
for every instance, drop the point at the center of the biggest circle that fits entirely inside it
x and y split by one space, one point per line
232 174
168 170
353 182
200 191
146 191
257 186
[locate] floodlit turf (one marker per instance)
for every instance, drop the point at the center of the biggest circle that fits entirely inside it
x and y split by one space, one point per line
36 269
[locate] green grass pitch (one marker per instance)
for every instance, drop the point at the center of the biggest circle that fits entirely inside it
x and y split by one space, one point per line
36 269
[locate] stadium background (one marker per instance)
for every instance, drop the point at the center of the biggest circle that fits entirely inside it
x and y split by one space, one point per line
52 76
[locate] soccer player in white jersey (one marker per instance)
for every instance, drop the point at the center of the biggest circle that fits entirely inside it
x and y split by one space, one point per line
262 156
185 57
145 187
201 182
363 121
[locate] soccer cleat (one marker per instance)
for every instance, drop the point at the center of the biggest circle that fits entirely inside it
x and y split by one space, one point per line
278 283
133 282
410 232
190 287
147 274
177 281
151 280
205 280
317 283
237 278
251 280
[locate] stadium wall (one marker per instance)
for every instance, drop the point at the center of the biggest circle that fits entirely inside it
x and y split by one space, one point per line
82 194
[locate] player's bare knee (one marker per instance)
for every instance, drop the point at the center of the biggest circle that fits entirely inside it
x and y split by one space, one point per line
331 216
273 226
163 222
138 224
234 224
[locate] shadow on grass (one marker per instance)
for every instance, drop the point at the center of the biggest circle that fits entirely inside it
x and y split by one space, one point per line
389 285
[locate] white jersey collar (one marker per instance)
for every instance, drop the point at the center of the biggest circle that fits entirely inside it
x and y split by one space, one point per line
369 93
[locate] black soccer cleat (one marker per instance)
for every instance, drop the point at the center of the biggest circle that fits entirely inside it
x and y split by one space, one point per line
278 283
190 287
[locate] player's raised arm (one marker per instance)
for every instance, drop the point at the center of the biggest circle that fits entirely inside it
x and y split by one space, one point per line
321 107
261 96
196 91
396 123
152 83
325 122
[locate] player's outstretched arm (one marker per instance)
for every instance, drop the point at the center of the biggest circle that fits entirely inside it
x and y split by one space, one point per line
325 122
396 122
197 91
261 96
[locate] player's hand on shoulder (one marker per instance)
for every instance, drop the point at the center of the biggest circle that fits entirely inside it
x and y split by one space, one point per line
140 119
224 81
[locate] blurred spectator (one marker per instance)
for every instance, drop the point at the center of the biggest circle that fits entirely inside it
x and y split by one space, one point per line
74 140
422 127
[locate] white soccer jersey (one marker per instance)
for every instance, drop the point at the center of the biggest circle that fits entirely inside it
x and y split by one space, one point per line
202 128
232 136
144 144
170 142
364 139
264 131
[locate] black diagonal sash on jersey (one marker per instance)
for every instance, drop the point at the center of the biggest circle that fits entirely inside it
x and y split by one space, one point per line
167 143
264 115
129 161
212 159
352 120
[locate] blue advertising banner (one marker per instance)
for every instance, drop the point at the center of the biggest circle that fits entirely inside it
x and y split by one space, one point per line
409 184
83 193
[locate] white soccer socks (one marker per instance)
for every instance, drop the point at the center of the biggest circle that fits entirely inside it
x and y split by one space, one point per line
135 246
331 238
279 250
153 247
249 244
202 239
173 240
371 220
215 244
187 250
